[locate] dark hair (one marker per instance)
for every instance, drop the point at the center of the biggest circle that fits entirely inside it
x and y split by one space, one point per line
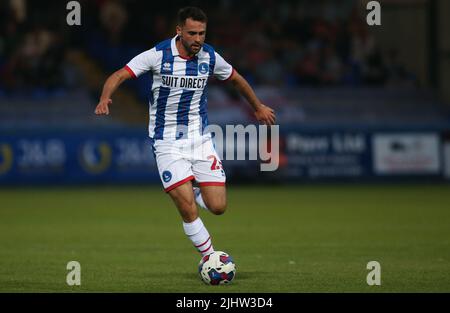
193 13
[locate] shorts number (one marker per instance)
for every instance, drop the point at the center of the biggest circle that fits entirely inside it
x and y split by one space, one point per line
216 165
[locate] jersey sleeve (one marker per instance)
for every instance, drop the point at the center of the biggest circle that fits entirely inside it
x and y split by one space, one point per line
142 63
222 70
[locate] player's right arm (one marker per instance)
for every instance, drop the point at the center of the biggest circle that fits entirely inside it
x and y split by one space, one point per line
111 84
140 64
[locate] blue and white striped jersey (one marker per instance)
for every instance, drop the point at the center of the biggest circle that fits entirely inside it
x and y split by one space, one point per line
179 88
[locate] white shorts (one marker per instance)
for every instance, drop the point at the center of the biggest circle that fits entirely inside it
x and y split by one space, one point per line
183 160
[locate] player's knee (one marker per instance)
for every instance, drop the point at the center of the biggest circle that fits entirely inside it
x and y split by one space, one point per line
218 207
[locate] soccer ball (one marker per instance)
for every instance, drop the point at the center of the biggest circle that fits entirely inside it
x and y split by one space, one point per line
217 268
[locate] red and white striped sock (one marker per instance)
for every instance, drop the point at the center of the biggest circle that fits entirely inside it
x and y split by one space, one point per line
199 236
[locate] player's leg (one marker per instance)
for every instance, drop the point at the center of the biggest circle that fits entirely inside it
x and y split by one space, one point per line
213 197
183 197
176 175
209 174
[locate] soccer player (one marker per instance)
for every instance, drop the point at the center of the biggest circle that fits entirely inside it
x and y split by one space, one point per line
180 68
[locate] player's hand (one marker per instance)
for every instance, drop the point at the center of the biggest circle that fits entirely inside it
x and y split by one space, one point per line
103 107
265 115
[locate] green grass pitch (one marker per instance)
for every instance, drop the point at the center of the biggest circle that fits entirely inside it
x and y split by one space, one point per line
297 238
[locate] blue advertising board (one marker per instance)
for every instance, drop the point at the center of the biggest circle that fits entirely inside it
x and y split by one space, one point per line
327 154
119 156
76 158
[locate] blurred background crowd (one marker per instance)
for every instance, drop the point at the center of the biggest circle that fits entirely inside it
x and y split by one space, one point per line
276 43
318 63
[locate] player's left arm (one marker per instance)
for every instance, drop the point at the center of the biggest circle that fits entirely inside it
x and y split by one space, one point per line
263 113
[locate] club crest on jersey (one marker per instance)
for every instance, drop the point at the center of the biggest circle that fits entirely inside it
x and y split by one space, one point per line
203 68
167 176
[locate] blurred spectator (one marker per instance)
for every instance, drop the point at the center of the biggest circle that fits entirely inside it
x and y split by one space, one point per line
113 18
286 43
36 62
32 54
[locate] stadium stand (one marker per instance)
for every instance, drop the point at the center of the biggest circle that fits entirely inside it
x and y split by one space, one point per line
314 63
